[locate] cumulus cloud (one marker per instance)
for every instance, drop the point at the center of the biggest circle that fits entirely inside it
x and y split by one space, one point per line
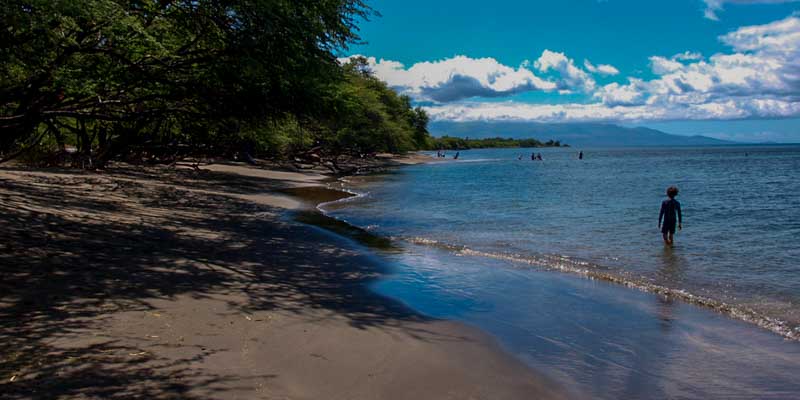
758 78
462 77
715 6
457 78
615 94
765 66
661 65
775 37
570 77
602 69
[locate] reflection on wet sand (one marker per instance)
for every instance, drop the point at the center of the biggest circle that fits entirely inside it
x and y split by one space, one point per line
672 269
606 341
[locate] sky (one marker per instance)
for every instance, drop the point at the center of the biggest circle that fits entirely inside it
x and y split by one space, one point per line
723 68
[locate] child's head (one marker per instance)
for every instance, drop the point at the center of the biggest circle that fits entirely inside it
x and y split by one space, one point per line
672 191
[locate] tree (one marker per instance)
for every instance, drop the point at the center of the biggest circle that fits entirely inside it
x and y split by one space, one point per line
111 75
366 116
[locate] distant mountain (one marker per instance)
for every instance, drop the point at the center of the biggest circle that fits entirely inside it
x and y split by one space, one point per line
573 134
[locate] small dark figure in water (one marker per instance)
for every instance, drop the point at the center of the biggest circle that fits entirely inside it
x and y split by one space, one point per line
520 157
669 209
533 156
539 156
455 157
580 156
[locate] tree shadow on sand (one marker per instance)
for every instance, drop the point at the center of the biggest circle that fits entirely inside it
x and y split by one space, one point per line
76 248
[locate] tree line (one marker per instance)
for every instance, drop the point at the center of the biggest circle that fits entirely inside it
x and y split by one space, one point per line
158 79
83 82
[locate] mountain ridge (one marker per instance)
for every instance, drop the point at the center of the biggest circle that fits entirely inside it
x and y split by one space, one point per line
592 134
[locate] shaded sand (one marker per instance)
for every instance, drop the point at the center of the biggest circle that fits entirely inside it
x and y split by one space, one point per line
164 283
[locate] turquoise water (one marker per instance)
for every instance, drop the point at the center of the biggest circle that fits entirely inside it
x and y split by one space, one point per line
738 251
539 254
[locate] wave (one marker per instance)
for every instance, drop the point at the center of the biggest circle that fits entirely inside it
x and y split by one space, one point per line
354 195
588 270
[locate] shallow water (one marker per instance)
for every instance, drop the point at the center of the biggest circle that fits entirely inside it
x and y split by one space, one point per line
485 241
599 339
738 251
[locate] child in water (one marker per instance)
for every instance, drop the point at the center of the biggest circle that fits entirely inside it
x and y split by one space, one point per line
669 209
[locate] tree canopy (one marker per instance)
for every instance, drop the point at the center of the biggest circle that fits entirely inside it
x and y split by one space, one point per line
117 78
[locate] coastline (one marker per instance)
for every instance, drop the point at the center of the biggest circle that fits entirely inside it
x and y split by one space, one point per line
188 283
632 344
560 264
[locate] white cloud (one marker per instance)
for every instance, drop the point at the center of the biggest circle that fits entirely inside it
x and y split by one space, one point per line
615 94
570 76
766 66
602 69
457 78
462 77
779 36
714 6
758 78
662 66
687 56
574 112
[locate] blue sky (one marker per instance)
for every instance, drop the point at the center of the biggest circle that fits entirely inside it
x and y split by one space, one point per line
714 67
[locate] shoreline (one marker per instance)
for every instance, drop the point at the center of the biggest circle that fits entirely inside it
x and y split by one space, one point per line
732 311
188 283
634 338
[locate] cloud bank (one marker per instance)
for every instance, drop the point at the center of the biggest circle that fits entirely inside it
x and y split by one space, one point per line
761 78
758 78
462 77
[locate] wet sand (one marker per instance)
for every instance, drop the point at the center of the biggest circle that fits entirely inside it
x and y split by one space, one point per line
165 283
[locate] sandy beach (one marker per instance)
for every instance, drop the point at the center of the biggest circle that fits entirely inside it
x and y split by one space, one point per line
187 282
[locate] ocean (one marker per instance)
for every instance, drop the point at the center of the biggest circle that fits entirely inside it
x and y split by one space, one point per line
562 261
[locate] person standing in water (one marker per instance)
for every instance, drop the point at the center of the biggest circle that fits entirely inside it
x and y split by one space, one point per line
455 157
580 156
670 208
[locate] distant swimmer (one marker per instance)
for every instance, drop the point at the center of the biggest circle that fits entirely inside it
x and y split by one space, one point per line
520 157
539 156
580 156
533 156
455 157
669 209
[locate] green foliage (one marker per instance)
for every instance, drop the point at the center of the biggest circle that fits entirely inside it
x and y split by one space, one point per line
117 78
456 143
369 117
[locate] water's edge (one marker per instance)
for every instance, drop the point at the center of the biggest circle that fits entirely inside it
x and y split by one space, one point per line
320 217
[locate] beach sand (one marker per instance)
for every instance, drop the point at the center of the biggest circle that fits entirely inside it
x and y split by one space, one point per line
188 282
